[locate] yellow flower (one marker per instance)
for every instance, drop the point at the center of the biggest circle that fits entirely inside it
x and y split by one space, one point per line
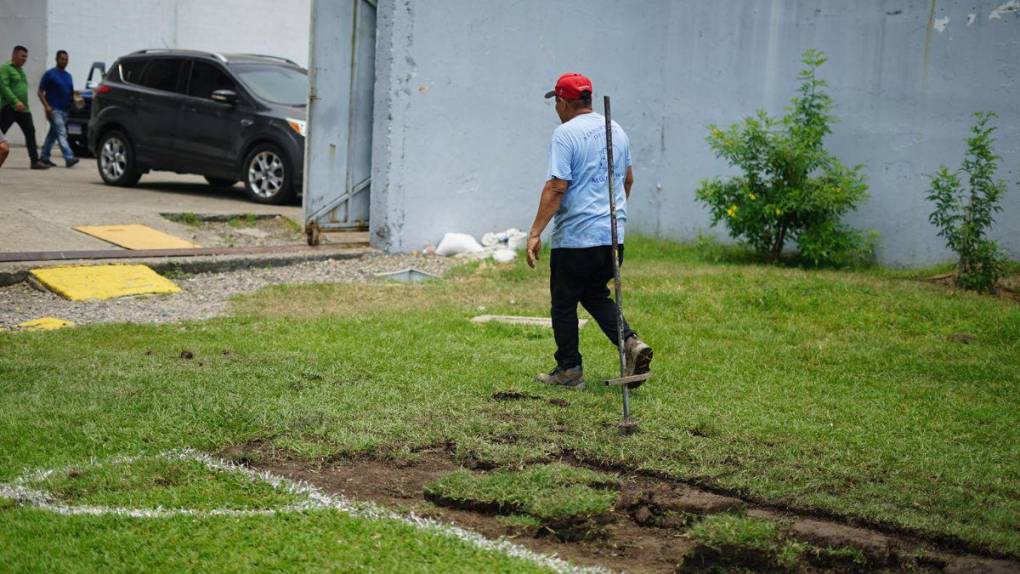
731 211
752 196
779 211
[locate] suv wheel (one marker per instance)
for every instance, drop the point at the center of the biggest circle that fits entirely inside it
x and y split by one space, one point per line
268 175
117 160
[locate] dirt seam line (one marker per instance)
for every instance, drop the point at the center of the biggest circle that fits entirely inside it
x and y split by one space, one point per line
943 542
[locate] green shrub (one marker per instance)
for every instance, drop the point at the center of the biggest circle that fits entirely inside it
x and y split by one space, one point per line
791 187
963 216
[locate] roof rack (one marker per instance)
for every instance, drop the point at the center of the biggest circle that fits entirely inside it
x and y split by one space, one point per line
268 57
182 52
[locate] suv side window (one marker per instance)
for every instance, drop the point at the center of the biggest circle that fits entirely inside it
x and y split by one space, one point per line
206 79
131 70
162 73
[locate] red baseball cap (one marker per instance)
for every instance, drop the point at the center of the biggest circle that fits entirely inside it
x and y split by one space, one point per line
570 86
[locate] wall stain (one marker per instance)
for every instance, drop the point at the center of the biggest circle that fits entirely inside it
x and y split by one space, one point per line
927 51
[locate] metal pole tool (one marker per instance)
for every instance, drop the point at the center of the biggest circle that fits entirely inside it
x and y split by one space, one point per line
628 425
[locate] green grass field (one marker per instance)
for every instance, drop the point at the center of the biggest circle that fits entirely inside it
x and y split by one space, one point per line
840 391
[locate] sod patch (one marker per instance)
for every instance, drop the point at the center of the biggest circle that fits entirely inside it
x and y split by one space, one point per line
150 483
568 502
737 541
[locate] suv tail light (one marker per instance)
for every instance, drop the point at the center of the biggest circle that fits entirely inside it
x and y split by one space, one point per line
103 89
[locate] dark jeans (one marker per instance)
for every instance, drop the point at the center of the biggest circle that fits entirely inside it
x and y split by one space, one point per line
8 116
581 276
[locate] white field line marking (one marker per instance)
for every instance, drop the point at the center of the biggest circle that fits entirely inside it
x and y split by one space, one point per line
314 499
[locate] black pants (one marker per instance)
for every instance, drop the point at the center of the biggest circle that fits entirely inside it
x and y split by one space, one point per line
8 116
581 276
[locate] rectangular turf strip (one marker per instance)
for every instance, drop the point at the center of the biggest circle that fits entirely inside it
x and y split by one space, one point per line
569 502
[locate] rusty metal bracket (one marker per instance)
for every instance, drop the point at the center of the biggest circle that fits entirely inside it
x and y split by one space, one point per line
629 380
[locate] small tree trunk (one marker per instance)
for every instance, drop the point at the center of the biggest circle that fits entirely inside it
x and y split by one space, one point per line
967 246
777 246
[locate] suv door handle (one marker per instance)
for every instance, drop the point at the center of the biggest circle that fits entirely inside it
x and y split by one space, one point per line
188 108
247 123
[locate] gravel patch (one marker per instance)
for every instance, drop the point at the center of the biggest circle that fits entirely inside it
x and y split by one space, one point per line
204 295
243 232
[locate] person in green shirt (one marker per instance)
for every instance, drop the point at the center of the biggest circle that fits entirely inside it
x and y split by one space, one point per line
14 107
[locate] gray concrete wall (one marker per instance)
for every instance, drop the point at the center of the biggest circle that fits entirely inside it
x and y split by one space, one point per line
461 127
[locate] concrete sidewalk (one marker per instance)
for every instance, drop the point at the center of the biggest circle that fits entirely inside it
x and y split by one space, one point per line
41 208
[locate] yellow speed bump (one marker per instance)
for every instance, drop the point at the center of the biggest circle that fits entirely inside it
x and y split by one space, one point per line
82 282
44 324
135 236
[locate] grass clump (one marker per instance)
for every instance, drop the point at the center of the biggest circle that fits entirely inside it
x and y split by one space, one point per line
742 541
246 220
291 225
567 501
158 482
187 218
737 541
521 524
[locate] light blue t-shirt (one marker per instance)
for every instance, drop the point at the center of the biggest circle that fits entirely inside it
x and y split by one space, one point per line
578 154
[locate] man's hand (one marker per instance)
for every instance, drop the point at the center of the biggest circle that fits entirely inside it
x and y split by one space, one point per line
19 106
534 247
552 195
49 113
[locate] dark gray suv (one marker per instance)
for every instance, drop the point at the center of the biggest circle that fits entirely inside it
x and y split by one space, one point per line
228 117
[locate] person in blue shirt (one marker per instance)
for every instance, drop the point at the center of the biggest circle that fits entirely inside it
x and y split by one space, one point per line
577 194
56 92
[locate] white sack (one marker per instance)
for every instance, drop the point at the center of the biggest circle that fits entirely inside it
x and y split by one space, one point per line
457 243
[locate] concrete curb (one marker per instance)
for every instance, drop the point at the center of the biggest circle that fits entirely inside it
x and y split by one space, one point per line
11 274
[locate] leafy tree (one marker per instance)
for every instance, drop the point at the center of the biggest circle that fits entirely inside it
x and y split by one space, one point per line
791 187
964 216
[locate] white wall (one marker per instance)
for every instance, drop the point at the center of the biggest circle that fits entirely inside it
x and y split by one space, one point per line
272 27
107 29
103 30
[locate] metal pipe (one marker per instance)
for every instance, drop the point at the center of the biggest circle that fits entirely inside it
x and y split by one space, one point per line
616 261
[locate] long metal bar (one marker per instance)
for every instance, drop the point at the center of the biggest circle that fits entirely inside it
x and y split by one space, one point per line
357 239
352 109
335 203
616 261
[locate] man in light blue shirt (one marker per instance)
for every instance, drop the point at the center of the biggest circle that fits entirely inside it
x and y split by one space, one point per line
576 193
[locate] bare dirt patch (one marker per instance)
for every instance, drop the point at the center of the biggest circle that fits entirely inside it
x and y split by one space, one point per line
647 531
239 230
1007 288
512 396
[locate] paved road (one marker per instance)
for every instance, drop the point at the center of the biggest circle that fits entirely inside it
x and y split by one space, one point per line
39 209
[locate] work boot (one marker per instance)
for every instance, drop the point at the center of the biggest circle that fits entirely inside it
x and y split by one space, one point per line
570 378
639 358
71 162
39 165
